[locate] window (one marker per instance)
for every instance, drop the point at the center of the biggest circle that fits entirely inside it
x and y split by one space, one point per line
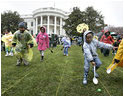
31 32
31 23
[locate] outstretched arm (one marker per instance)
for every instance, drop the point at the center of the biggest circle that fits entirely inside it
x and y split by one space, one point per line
103 45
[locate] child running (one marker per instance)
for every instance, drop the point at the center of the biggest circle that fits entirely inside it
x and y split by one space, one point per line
66 45
42 41
90 56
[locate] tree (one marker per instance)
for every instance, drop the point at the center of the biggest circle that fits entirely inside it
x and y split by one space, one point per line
75 18
93 18
10 20
116 29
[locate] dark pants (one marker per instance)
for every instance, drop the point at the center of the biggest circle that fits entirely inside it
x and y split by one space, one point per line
106 52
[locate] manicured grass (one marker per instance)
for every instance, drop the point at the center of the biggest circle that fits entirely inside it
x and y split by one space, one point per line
58 75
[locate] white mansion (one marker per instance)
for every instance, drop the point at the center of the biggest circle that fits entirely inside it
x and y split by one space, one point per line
51 18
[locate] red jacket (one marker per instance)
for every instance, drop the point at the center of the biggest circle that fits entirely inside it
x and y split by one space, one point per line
107 39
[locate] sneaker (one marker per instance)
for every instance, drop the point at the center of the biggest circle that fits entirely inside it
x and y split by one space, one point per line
11 54
7 54
85 80
66 54
25 62
18 62
41 58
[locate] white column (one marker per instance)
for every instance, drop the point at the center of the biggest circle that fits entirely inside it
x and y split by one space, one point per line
48 23
36 25
60 26
41 19
55 25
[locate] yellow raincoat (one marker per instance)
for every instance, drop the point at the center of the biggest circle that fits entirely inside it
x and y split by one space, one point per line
7 38
118 56
22 49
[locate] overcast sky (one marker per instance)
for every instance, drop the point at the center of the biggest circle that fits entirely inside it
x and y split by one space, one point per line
112 10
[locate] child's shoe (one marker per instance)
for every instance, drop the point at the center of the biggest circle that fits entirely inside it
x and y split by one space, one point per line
41 58
11 54
66 54
7 54
85 80
25 62
18 62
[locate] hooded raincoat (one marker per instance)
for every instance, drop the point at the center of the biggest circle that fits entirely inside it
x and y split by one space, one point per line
90 48
22 41
7 38
42 40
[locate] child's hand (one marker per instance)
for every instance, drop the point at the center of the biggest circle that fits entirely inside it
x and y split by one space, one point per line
116 60
93 63
13 44
30 45
114 48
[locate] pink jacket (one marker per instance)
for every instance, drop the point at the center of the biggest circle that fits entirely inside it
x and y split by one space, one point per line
42 40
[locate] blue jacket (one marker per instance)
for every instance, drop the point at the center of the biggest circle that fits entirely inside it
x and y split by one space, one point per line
90 49
66 43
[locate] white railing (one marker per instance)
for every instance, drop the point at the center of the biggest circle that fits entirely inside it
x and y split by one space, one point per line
49 9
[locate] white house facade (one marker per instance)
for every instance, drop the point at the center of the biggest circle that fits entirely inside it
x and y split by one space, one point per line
51 18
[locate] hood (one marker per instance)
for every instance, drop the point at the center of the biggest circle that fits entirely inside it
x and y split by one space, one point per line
107 31
85 33
10 33
44 28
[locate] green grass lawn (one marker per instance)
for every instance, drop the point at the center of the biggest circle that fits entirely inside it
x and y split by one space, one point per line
58 75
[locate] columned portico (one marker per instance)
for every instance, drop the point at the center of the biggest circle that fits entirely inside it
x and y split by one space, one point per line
36 25
55 25
41 19
48 23
51 18
61 25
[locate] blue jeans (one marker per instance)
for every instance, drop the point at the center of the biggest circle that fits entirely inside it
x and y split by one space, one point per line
87 64
65 50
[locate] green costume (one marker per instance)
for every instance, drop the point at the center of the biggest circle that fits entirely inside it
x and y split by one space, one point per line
22 50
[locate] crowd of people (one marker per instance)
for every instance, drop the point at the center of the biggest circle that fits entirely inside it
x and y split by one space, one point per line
21 42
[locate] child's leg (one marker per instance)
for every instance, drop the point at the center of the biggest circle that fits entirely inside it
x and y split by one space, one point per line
104 52
64 50
101 50
42 55
7 51
98 62
11 51
19 58
86 70
108 51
